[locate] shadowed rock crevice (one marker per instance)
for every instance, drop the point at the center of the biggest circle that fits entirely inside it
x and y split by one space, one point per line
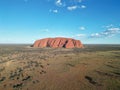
65 43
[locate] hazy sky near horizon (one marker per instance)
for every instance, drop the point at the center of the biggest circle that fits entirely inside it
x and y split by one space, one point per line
91 21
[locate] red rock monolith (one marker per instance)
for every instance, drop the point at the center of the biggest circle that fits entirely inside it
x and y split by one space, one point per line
58 42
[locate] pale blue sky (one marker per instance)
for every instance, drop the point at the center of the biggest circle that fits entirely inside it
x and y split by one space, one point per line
91 21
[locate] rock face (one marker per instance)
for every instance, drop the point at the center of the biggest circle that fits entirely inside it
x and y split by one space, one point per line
58 43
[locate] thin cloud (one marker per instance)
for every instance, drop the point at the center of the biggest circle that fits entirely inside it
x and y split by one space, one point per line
83 6
82 28
110 32
70 4
111 25
74 7
95 35
81 35
70 8
108 26
53 11
58 3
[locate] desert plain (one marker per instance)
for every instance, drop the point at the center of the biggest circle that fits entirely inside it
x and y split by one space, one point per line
94 67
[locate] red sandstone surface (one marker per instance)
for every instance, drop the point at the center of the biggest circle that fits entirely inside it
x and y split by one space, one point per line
58 43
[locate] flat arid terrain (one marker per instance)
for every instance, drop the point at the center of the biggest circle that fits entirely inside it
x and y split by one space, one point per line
95 67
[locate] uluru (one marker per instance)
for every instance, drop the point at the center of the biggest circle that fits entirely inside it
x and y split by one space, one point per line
58 42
